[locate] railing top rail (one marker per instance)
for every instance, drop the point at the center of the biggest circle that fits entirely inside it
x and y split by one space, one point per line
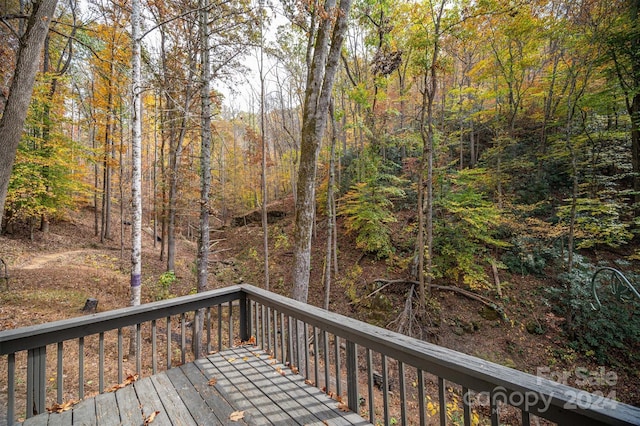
465 370
35 336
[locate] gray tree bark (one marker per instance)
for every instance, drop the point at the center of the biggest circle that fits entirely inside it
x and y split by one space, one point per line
320 78
15 112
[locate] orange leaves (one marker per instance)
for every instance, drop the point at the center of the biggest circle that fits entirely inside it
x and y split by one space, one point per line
130 379
212 381
343 407
59 408
151 418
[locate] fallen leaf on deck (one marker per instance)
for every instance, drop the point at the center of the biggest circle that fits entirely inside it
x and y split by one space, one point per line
130 379
294 369
343 407
151 417
236 415
273 361
245 358
279 370
59 408
231 359
213 381
308 382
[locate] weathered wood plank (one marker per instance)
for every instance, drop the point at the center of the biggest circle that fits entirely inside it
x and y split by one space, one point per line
267 379
40 420
173 404
150 402
107 410
293 387
202 400
129 406
61 419
84 413
231 392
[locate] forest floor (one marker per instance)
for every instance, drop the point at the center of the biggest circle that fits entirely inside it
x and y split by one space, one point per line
52 276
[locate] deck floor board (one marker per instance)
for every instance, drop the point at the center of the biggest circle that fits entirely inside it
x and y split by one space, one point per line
246 379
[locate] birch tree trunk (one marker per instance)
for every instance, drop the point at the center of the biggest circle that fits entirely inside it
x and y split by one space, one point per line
15 112
136 167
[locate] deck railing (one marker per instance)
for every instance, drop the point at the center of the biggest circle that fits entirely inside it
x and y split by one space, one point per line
386 377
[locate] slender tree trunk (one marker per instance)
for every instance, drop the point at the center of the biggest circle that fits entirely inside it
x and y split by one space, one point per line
265 225
136 166
330 209
205 169
15 111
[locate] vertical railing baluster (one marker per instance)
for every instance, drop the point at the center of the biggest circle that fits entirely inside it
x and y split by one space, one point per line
306 351
101 362
183 339
139 349
327 369
81 368
442 400
316 351
120 355
270 332
245 318
403 394
526 421
283 354
208 329
495 415
60 373
372 409
466 408
290 340
336 340
230 324
30 381
263 325
421 398
276 333
11 388
154 348
298 336
219 328
169 355
385 389
352 376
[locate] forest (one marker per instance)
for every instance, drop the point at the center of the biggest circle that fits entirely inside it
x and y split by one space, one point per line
452 141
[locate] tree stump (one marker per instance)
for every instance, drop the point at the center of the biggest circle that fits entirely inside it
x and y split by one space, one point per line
90 306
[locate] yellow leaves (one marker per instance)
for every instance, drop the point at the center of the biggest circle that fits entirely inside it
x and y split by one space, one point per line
279 370
231 359
130 379
236 416
59 408
151 418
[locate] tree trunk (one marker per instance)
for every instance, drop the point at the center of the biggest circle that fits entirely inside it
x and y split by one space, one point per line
15 112
205 178
320 80
136 166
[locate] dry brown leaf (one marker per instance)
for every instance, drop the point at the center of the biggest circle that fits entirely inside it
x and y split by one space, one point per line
213 381
343 407
130 379
294 369
59 408
151 418
308 382
337 397
273 361
236 415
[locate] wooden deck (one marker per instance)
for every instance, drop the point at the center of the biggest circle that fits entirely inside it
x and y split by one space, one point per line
245 380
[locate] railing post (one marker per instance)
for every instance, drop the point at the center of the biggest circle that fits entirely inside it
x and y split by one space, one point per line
245 317
36 380
352 376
